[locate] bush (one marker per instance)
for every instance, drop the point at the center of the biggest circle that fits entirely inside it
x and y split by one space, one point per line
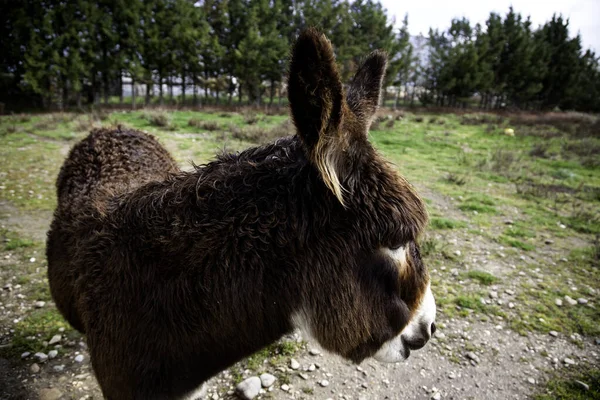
456 179
251 118
206 125
158 118
480 119
539 150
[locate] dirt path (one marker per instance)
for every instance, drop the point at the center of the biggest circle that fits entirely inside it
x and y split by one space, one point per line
470 358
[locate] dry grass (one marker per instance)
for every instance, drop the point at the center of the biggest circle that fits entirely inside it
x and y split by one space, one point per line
481 119
259 135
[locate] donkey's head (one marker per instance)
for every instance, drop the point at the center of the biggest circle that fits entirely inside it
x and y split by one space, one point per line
381 304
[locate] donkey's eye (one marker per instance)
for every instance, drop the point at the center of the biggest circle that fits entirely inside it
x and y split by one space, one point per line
396 246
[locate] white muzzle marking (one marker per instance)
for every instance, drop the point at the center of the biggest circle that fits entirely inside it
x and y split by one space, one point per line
418 329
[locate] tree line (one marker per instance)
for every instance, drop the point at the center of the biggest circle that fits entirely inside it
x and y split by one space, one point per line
71 53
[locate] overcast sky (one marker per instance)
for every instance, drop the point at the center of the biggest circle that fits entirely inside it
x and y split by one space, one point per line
584 15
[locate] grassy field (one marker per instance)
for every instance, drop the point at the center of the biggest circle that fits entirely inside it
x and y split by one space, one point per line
515 220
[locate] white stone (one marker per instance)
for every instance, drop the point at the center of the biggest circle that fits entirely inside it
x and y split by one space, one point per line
581 300
294 364
79 358
569 361
39 304
285 388
558 302
41 356
52 354
324 383
25 355
570 301
553 333
55 339
267 380
314 352
249 388
34 368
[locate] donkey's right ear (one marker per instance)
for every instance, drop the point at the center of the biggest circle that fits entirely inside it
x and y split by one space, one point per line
314 89
365 88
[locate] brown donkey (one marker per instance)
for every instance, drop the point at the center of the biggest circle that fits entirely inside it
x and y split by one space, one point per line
174 276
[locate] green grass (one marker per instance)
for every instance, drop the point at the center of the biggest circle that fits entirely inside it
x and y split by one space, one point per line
307 390
516 243
482 277
37 327
274 354
480 203
518 232
537 309
563 385
18 244
445 223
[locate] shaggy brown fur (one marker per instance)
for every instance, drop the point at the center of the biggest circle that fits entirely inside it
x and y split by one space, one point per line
175 275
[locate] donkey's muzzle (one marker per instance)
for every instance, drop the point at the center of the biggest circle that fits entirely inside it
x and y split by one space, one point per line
418 341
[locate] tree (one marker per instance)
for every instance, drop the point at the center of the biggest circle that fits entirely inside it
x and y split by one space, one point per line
563 55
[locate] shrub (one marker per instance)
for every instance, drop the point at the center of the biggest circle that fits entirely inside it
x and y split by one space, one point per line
456 179
158 118
251 117
539 150
206 125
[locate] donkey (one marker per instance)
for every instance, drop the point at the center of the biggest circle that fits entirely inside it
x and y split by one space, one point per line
175 275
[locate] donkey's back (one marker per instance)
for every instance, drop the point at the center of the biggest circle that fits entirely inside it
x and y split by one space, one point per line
105 164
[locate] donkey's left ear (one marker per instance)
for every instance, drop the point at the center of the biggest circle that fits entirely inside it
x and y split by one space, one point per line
314 88
317 104
365 88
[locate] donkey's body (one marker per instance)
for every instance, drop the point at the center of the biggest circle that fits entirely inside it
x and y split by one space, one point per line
176 275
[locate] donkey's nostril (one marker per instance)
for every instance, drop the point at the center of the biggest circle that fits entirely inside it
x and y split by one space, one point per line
416 344
433 328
